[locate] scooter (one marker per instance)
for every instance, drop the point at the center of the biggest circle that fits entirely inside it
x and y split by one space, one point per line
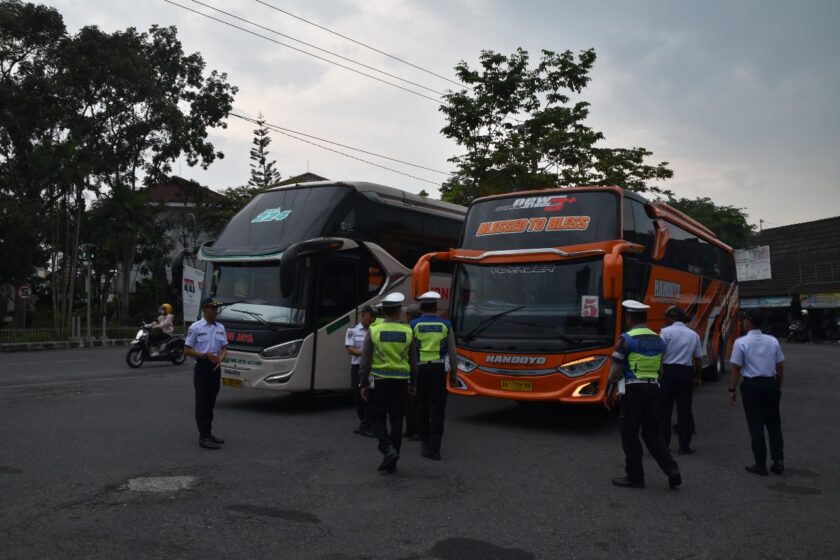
171 350
797 332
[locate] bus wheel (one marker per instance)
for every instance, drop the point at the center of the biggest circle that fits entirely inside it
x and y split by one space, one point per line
716 370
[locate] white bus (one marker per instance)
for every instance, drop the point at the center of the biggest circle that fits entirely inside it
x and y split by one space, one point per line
297 264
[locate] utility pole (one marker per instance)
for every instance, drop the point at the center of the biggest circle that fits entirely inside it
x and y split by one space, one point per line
90 255
760 225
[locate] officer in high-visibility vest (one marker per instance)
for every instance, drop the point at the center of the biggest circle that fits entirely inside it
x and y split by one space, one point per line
636 362
388 373
435 344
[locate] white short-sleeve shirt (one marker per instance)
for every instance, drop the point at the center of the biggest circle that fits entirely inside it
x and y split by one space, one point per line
682 345
206 338
757 354
355 338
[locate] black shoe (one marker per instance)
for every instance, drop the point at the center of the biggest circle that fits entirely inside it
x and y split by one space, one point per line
674 479
357 430
434 455
367 432
392 468
426 453
755 469
214 439
685 451
415 437
208 443
627 482
390 458
778 467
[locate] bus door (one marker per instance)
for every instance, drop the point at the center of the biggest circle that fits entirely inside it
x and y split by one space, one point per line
336 287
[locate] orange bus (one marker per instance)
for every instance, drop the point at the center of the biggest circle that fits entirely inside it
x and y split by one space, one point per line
539 277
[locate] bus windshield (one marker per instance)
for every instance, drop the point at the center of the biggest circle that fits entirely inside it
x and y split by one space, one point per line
253 289
539 221
556 305
274 220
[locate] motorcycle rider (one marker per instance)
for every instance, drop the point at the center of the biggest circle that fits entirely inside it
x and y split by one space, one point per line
163 328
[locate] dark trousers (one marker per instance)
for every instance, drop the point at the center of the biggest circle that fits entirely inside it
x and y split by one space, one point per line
410 413
431 404
761 397
358 401
676 386
640 411
206 381
385 405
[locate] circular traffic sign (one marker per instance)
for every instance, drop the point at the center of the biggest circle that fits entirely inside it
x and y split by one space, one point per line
24 291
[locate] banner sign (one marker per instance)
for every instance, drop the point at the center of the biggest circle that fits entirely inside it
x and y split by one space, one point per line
193 286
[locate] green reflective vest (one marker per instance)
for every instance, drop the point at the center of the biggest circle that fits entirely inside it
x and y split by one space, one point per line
644 353
391 345
431 334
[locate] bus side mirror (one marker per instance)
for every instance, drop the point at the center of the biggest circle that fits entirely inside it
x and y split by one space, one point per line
613 266
660 240
421 275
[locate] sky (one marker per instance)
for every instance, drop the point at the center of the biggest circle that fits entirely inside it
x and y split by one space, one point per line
740 97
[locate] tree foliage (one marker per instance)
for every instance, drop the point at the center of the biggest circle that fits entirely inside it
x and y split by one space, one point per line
521 130
92 114
727 222
263 172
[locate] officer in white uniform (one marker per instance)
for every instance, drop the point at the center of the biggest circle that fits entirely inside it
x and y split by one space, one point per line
758 362
207 343
354 341
682 371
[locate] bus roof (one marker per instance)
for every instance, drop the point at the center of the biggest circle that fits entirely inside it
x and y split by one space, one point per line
389 196
660 209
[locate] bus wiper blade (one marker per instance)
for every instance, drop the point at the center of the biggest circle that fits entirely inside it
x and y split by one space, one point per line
256 316
489 321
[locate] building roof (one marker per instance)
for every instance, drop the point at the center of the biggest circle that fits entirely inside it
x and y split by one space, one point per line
804 258
180 192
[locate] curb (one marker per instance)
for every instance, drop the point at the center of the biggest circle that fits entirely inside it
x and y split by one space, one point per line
63 344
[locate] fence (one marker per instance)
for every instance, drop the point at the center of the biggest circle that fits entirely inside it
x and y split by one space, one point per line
76 331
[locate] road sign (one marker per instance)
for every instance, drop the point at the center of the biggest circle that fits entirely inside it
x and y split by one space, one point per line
24 291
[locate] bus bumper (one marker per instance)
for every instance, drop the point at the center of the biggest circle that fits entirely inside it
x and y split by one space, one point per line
556 387
250 370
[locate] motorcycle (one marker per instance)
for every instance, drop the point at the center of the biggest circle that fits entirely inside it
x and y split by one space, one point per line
171 349
797 332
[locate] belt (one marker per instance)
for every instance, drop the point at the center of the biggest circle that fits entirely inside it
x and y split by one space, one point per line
761 378
430 362
679 365
634 381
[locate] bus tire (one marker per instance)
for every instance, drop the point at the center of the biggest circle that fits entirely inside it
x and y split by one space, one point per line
715 371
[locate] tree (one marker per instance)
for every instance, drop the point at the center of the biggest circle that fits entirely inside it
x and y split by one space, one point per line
521 130
263 172
32 146
727 222
143 103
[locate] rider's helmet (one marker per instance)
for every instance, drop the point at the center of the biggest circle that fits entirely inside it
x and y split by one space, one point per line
167 309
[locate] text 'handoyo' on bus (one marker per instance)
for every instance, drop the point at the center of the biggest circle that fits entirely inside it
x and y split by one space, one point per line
539 277
294 267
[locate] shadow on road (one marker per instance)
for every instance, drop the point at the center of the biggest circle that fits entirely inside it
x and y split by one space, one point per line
554 417
287 404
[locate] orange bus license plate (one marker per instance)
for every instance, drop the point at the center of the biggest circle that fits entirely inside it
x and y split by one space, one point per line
517 385
231 382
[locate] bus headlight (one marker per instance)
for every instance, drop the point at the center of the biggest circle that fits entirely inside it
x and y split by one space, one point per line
466 365
285 350
582 367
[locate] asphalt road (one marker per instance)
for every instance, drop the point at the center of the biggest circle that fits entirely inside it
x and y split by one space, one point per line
517 482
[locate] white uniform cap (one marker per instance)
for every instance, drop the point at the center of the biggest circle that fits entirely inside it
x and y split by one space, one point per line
393 299
634 305
429 297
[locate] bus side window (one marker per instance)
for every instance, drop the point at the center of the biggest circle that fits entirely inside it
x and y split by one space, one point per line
644 227
635 279
629 221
